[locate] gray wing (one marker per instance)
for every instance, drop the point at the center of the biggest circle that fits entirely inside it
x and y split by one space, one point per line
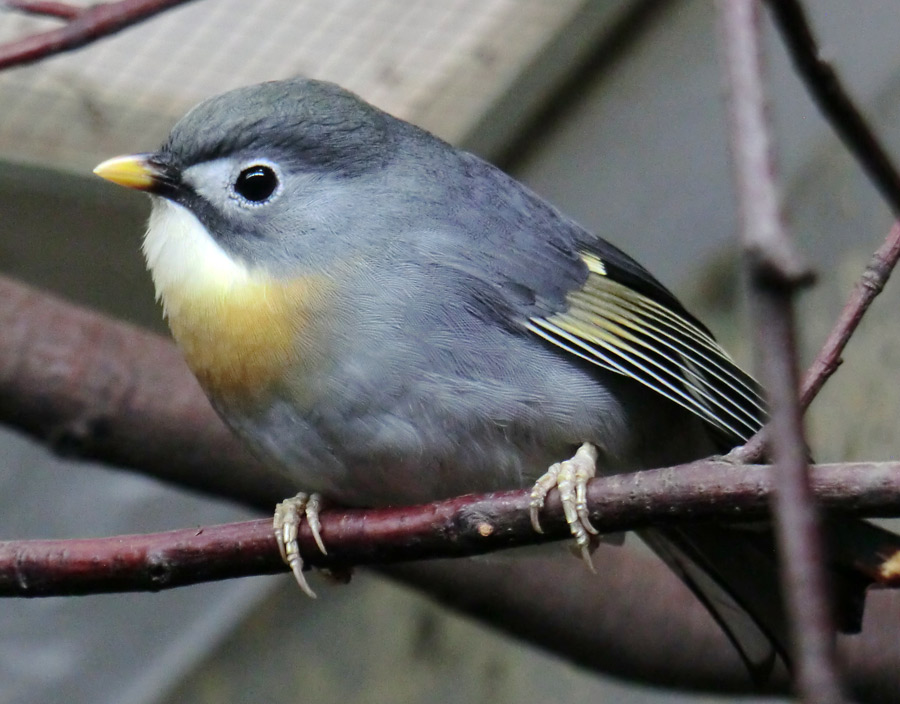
592 301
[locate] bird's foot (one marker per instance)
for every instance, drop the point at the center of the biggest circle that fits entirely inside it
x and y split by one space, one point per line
288 515
570 478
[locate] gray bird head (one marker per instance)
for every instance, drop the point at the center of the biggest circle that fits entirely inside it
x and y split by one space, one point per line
279 173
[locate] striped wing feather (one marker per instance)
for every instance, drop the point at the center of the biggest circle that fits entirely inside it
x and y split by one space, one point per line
627 332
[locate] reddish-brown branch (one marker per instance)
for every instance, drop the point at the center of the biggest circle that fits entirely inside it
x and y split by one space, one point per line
60 363
775 273
458 527
86 386
45 8
84 26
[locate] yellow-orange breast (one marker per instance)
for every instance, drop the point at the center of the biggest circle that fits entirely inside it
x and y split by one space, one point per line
241 330
243 342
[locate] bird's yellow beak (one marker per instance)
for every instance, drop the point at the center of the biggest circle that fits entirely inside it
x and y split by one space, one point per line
133 171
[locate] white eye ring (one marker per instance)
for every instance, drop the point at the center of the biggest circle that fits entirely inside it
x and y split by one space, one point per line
257 183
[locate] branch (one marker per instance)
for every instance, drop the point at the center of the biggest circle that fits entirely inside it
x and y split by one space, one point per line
459 527
834 101
848 122
864 292
85 25
107 391
45 8
867 288
775 274
103 390
86 387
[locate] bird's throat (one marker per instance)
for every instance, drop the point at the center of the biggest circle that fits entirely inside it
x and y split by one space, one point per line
241 331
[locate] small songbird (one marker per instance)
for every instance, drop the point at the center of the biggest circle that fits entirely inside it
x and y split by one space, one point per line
389 320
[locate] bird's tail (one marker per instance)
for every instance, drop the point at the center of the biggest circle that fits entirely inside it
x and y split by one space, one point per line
733 571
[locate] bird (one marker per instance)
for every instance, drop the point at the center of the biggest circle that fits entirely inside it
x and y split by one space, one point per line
388 319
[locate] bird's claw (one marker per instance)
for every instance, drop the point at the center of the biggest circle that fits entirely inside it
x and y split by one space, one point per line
286 523
570 478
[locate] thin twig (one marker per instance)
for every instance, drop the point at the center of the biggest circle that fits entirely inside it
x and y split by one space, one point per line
847 120
849 123
86 26
775 273
834 101
463 526
867 288
44 8
864 292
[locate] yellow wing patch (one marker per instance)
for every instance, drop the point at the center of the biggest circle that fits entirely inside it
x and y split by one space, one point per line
615 327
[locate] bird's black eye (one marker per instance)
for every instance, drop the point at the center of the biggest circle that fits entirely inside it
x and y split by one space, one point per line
256 183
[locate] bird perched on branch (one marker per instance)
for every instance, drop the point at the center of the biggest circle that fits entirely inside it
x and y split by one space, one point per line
390 320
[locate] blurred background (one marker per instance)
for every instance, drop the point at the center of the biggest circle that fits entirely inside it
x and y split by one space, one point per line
612 109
